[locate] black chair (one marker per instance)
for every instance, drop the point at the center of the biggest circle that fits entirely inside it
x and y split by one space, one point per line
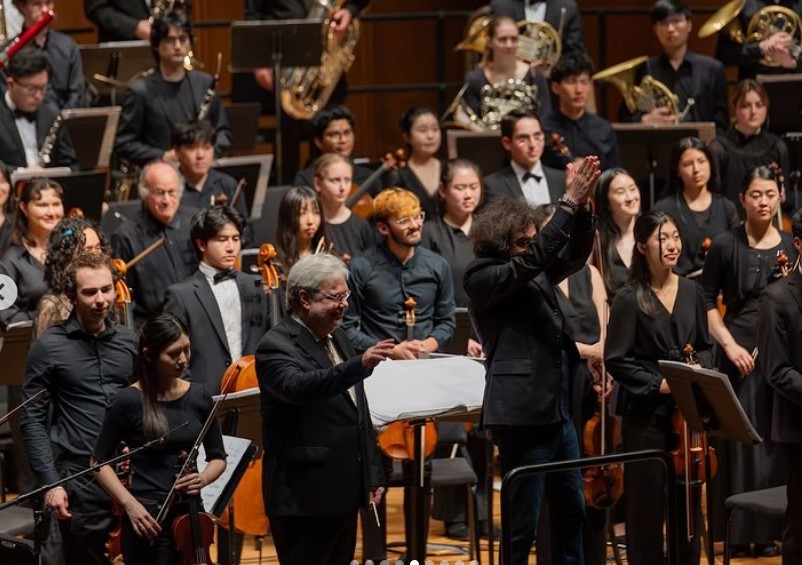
769 501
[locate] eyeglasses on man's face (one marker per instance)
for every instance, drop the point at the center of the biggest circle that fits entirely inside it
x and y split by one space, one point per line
406 221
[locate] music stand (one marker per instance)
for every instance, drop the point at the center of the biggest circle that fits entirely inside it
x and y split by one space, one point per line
481 147
255 169
85 189
113 65
708 403
277 44
462 333
14 345
785 115
646 149
97 129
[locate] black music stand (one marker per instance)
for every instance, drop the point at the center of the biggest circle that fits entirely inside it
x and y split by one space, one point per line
109 66
97 130
785 115
646 150
483 148
14 345
277 44
708 403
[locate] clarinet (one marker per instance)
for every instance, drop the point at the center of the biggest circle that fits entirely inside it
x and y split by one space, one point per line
206 105
46 151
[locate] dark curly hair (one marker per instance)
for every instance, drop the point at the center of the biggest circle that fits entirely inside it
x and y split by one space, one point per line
495 225
66 241
85 261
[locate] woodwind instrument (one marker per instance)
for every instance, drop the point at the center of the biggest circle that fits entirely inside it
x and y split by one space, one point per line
206 104
10 49
45 156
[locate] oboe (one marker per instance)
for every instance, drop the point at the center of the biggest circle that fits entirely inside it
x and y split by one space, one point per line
206 105
46 151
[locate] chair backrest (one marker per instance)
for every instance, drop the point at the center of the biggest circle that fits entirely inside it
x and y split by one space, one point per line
243 118
264 228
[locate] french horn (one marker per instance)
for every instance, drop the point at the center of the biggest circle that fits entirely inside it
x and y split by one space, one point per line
496 101
643 97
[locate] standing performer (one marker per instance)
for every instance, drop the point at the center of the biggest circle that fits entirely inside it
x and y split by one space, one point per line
323 462
531 359
741 263
422 137
549 11
119 20
158 401
654 317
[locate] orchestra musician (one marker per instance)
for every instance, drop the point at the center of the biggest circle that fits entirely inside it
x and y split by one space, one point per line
333 181
7 208
119 20
653 318
687 74
158 401
694 203
742 262
27 121
224 312
82 362
167 95
323 462
552 12
300 230
160 216
780 365
531 360
420 131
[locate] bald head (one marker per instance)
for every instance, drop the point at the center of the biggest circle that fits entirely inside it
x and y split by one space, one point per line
160 189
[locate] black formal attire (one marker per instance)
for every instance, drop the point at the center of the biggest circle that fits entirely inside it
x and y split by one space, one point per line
116 20
154 470
698 77
589 135
353 236
82 373
476 80
216 185
531 362
5 234
169 264
615 274
321 456
780 365
506 182
12 150
740 272
428 202
454 246
572 37
153 106
194 302
746 56
735 154
635 342
67 83
694 227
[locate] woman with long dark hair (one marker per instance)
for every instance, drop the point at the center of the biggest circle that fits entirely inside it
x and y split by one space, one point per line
159 401
300 225
420 131
740 264
654 317
617 199
693 200
7 208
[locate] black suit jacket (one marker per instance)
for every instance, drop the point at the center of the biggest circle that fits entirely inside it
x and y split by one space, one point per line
193 301
320 455
572 32
505 183
116 20
290 9
520 323
779 333
11 150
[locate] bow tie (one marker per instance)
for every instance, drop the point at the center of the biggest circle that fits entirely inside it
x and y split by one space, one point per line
528 175
30 116
224 275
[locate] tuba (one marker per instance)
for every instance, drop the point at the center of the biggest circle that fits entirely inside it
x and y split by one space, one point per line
766 22
497 100
305 91
650 94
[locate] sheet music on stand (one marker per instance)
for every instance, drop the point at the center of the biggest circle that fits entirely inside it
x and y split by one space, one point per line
239 453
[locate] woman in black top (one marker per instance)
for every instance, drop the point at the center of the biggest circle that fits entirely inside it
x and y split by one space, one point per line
617 199
159 401
700 211
6 208
420 131
300 225
654 317
740 264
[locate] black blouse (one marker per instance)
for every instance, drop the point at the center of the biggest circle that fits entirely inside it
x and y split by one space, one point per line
29 275
409 180
455 247
578 307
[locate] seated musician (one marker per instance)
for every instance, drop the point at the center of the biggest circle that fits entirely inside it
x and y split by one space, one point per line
167 95
223 309
67 82
119 20
193 143
525 176
550 12
687 74
300 230
30 136
579 132
420 131
160 216
323 463
7 208
158 401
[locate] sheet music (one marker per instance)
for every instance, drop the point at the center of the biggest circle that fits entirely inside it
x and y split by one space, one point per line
235 450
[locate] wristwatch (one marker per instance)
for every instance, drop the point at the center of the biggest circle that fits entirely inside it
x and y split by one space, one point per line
564 199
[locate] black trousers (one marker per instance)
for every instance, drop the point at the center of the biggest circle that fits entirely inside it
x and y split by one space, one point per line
792 532
161 550
306 540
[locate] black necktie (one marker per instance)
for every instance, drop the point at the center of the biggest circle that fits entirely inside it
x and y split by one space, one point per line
528 175
30 116
224 275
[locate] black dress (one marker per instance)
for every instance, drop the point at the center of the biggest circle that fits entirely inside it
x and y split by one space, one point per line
740 273
694 227
734 154
409 180
454 246
635 342
353 236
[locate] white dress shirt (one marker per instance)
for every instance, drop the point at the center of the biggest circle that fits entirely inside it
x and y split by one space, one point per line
226 293
535 191
27 133
535 10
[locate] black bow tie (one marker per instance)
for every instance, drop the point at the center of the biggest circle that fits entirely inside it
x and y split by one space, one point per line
30 116
528 175
224 275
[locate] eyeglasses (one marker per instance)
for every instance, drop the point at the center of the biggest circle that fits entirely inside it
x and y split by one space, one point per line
407 220
523 241
170 39
523 139
32 88
337 298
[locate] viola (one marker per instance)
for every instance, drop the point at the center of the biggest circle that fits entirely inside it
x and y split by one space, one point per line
359 201
194 532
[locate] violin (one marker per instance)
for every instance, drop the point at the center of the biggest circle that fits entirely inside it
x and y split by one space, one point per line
359 201
114 544
194 532
560 147
689 456
124 311
783 222
222 200
782 268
